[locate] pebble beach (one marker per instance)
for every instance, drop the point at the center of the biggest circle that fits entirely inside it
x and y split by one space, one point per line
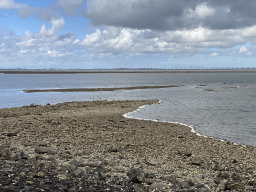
91 146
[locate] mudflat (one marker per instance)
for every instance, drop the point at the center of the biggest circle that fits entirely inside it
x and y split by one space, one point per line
91 146
95 89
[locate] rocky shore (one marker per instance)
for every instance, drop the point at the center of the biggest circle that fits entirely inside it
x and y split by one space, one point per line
90 146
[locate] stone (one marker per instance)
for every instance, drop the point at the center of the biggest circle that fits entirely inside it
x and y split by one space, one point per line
41 150
76 163
72 167
196 161
158 186
185 190
30 182
101 175
218 167
62 177
5 152
6 166
93 163
22 155
40 174
11 134
22 174
236 177
42 144
122 187
14 157
235 186
12 162
135 175
78 172
184 184
17 178
223 184
137 188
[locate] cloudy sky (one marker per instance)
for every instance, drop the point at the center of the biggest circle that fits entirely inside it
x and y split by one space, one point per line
133 33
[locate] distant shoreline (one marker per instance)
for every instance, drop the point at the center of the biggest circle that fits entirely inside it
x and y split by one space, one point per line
32 71
95 89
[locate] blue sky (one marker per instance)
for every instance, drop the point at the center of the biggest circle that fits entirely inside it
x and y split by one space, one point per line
91 34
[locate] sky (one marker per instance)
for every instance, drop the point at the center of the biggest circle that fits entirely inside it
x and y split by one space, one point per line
89 34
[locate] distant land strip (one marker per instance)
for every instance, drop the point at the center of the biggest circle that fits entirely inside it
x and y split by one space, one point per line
95 89
128 71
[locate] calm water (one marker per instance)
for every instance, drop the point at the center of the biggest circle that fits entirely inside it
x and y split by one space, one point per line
221 105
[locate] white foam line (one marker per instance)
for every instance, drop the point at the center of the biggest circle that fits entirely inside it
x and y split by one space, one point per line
155 120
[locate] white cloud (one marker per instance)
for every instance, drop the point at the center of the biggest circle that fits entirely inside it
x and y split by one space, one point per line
200 12
204 10
89 40
242 49
214 54
10 4
57 24
76 41
126 40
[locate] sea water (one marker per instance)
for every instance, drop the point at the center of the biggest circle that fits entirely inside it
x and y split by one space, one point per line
221 105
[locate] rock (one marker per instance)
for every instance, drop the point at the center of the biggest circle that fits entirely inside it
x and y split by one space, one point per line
235 186
252 182
218 167
17 178
62 177
5 152
22 174
78 172
11 134
236 177
93 163
199 185
122 187
72 167
135 175
14 157
223 184
184 184
42 144
38 164
115 178
76 163
22 155
40 174
101 175
12 162
196 161
41 150
158 186
6 166
30 182
185 190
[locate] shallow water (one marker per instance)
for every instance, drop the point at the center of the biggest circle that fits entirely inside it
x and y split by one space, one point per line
221 105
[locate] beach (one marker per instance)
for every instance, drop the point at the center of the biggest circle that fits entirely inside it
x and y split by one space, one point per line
91 146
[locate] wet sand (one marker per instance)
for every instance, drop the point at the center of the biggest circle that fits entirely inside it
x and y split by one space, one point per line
97 131
95 89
